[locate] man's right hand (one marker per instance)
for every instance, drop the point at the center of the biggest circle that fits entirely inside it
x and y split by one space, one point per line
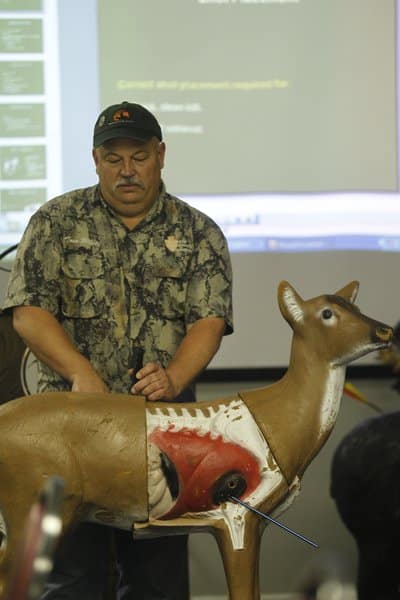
56 349
88 381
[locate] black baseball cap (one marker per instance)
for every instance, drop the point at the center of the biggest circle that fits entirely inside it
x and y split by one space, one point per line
125 120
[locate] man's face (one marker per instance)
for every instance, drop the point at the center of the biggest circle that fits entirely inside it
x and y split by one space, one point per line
130 175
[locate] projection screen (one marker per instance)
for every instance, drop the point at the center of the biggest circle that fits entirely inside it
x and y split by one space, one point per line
280 119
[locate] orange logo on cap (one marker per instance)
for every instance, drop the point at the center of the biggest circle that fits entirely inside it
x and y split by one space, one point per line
121 115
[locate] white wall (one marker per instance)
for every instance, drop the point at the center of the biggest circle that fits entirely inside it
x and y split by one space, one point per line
262 337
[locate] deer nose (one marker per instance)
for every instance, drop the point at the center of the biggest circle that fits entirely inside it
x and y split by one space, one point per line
384 333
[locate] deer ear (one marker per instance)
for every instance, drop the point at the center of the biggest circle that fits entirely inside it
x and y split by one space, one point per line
290 303
349 292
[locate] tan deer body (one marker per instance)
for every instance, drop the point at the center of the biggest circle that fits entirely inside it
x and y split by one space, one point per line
254 446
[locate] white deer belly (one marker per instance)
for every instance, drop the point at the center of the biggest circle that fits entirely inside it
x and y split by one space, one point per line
202 447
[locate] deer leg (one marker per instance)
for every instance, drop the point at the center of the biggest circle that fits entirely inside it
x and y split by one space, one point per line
242 566
11 550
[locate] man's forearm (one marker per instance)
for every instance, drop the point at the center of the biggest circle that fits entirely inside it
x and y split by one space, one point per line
193 355
49 342
195 352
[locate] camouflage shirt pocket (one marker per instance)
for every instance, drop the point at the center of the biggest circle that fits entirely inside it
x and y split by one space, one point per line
166 280
83 286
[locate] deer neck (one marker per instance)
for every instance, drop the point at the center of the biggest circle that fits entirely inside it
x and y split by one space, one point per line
297 413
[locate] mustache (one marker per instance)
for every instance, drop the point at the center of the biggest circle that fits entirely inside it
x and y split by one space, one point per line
129 181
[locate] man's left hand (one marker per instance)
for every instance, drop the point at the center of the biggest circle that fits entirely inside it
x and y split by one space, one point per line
155 383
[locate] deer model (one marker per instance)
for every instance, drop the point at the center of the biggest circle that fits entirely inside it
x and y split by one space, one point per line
164 469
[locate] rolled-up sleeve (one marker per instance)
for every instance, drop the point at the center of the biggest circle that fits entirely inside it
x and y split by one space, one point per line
210 288
34 279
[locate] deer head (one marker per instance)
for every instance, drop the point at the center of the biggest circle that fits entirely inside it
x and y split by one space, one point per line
331 325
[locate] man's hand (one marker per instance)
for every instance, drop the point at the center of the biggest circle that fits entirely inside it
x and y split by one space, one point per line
88 381
195 351
56 349
155 383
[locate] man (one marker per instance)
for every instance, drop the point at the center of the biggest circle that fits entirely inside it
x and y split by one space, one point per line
100 274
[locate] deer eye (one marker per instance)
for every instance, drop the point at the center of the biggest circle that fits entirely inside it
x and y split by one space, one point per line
327 314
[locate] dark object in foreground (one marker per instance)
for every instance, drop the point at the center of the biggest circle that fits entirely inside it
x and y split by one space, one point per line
365 484
34 560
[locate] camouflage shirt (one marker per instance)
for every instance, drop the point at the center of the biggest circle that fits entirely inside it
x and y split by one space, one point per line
115 289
